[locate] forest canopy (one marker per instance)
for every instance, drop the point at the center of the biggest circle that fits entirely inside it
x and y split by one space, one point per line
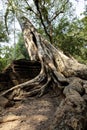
56 20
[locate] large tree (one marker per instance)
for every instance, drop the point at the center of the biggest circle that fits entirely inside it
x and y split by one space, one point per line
58 72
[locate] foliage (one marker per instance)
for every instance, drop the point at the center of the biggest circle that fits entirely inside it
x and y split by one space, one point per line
3 38
6 56
45 12
72 37
55 20
2 64
20 49
3 34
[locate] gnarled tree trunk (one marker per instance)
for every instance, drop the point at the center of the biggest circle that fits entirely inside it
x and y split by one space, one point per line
59 73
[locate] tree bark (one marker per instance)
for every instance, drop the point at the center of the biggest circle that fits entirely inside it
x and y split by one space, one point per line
59 73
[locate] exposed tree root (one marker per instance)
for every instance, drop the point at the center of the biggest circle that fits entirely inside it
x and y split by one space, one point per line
38 85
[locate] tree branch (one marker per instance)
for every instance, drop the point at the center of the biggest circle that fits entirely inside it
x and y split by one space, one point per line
30 9
45 28
57 13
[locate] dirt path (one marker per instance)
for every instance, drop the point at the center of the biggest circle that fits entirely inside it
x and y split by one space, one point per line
30 114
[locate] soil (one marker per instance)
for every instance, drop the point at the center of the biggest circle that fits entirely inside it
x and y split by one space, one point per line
30 113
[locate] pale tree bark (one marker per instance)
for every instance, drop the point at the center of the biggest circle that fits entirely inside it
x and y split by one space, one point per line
58 72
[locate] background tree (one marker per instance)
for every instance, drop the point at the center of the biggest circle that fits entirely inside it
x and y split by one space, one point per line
20 49
3 38
3 33
71 38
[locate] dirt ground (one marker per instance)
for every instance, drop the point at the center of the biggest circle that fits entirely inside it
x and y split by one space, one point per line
30 113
